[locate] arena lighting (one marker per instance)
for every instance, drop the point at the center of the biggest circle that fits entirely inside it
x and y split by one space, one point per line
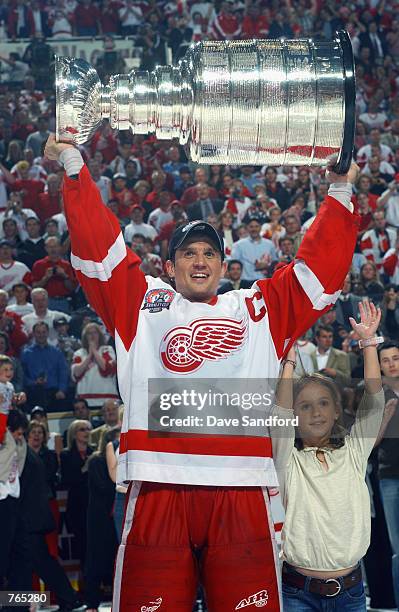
252 102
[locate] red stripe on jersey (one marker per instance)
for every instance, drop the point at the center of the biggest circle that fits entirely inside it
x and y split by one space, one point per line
194 444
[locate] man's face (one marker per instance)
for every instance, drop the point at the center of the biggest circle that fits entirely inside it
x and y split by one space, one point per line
40 334
164 199
81 411
20 294
111 413
254 229
5 253
324 340
364 184
375 137
200 175
287 248
291 225
389 362
173 154
53 248
137 215
197 270
33 228
374 164
203 191
235 272
379 220
39 301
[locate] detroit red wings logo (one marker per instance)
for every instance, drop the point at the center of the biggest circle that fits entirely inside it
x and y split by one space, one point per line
184 349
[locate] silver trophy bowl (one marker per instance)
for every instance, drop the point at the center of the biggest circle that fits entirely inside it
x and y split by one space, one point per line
255 102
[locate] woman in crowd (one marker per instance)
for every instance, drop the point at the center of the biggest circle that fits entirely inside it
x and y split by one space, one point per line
369 283
321 470
45 549
226 231
94 368
101 551
74 479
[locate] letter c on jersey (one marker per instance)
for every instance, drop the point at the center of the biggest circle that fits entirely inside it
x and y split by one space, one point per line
250 302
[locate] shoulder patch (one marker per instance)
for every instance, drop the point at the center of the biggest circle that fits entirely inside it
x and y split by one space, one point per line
156 300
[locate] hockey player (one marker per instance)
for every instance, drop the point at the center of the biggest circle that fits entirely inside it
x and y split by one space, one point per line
198 508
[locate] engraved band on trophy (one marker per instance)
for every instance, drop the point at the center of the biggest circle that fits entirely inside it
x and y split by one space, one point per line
256 102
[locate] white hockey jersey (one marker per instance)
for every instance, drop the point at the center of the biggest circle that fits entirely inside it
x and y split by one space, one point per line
160 334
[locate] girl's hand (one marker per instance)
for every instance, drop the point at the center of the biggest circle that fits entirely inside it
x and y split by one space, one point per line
370 318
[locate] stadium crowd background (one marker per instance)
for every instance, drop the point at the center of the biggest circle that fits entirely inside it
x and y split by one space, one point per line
66 366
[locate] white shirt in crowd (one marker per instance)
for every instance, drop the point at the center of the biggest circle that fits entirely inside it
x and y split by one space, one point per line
365 153
373 120
22 310
51 315
159 217
322 359
103 185
146 230
392 210
385 168
10 274
130 14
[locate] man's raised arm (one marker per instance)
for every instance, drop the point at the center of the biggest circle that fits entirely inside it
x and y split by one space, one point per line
108 272
298 294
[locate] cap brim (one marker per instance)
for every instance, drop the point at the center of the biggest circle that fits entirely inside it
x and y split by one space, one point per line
204 230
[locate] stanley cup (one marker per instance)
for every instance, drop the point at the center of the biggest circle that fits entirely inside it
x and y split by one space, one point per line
256 102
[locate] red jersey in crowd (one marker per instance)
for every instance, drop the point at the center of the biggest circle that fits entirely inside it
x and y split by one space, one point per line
55 287
31 190
47 206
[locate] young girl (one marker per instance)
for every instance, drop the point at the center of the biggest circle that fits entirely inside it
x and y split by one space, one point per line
322 482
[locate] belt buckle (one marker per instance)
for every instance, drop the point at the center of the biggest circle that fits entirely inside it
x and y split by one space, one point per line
339 585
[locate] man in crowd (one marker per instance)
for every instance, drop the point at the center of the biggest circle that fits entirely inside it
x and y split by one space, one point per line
234 272
56 275
46 371
110 413
20 293
255 253
204 206
32 248
137 226
377 241
41 313
11 271
328 360
11 323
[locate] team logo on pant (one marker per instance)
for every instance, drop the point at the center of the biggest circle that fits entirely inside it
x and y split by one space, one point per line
184 349
155 300
259 600
154 605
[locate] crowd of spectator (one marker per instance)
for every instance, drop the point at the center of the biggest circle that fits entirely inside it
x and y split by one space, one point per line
63 357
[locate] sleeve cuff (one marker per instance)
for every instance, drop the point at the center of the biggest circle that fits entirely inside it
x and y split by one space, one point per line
72 161
342 192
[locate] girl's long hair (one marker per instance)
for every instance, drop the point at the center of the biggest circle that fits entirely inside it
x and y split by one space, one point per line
338 432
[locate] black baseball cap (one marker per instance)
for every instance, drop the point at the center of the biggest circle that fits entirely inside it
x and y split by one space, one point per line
60 321
188 230
38 409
